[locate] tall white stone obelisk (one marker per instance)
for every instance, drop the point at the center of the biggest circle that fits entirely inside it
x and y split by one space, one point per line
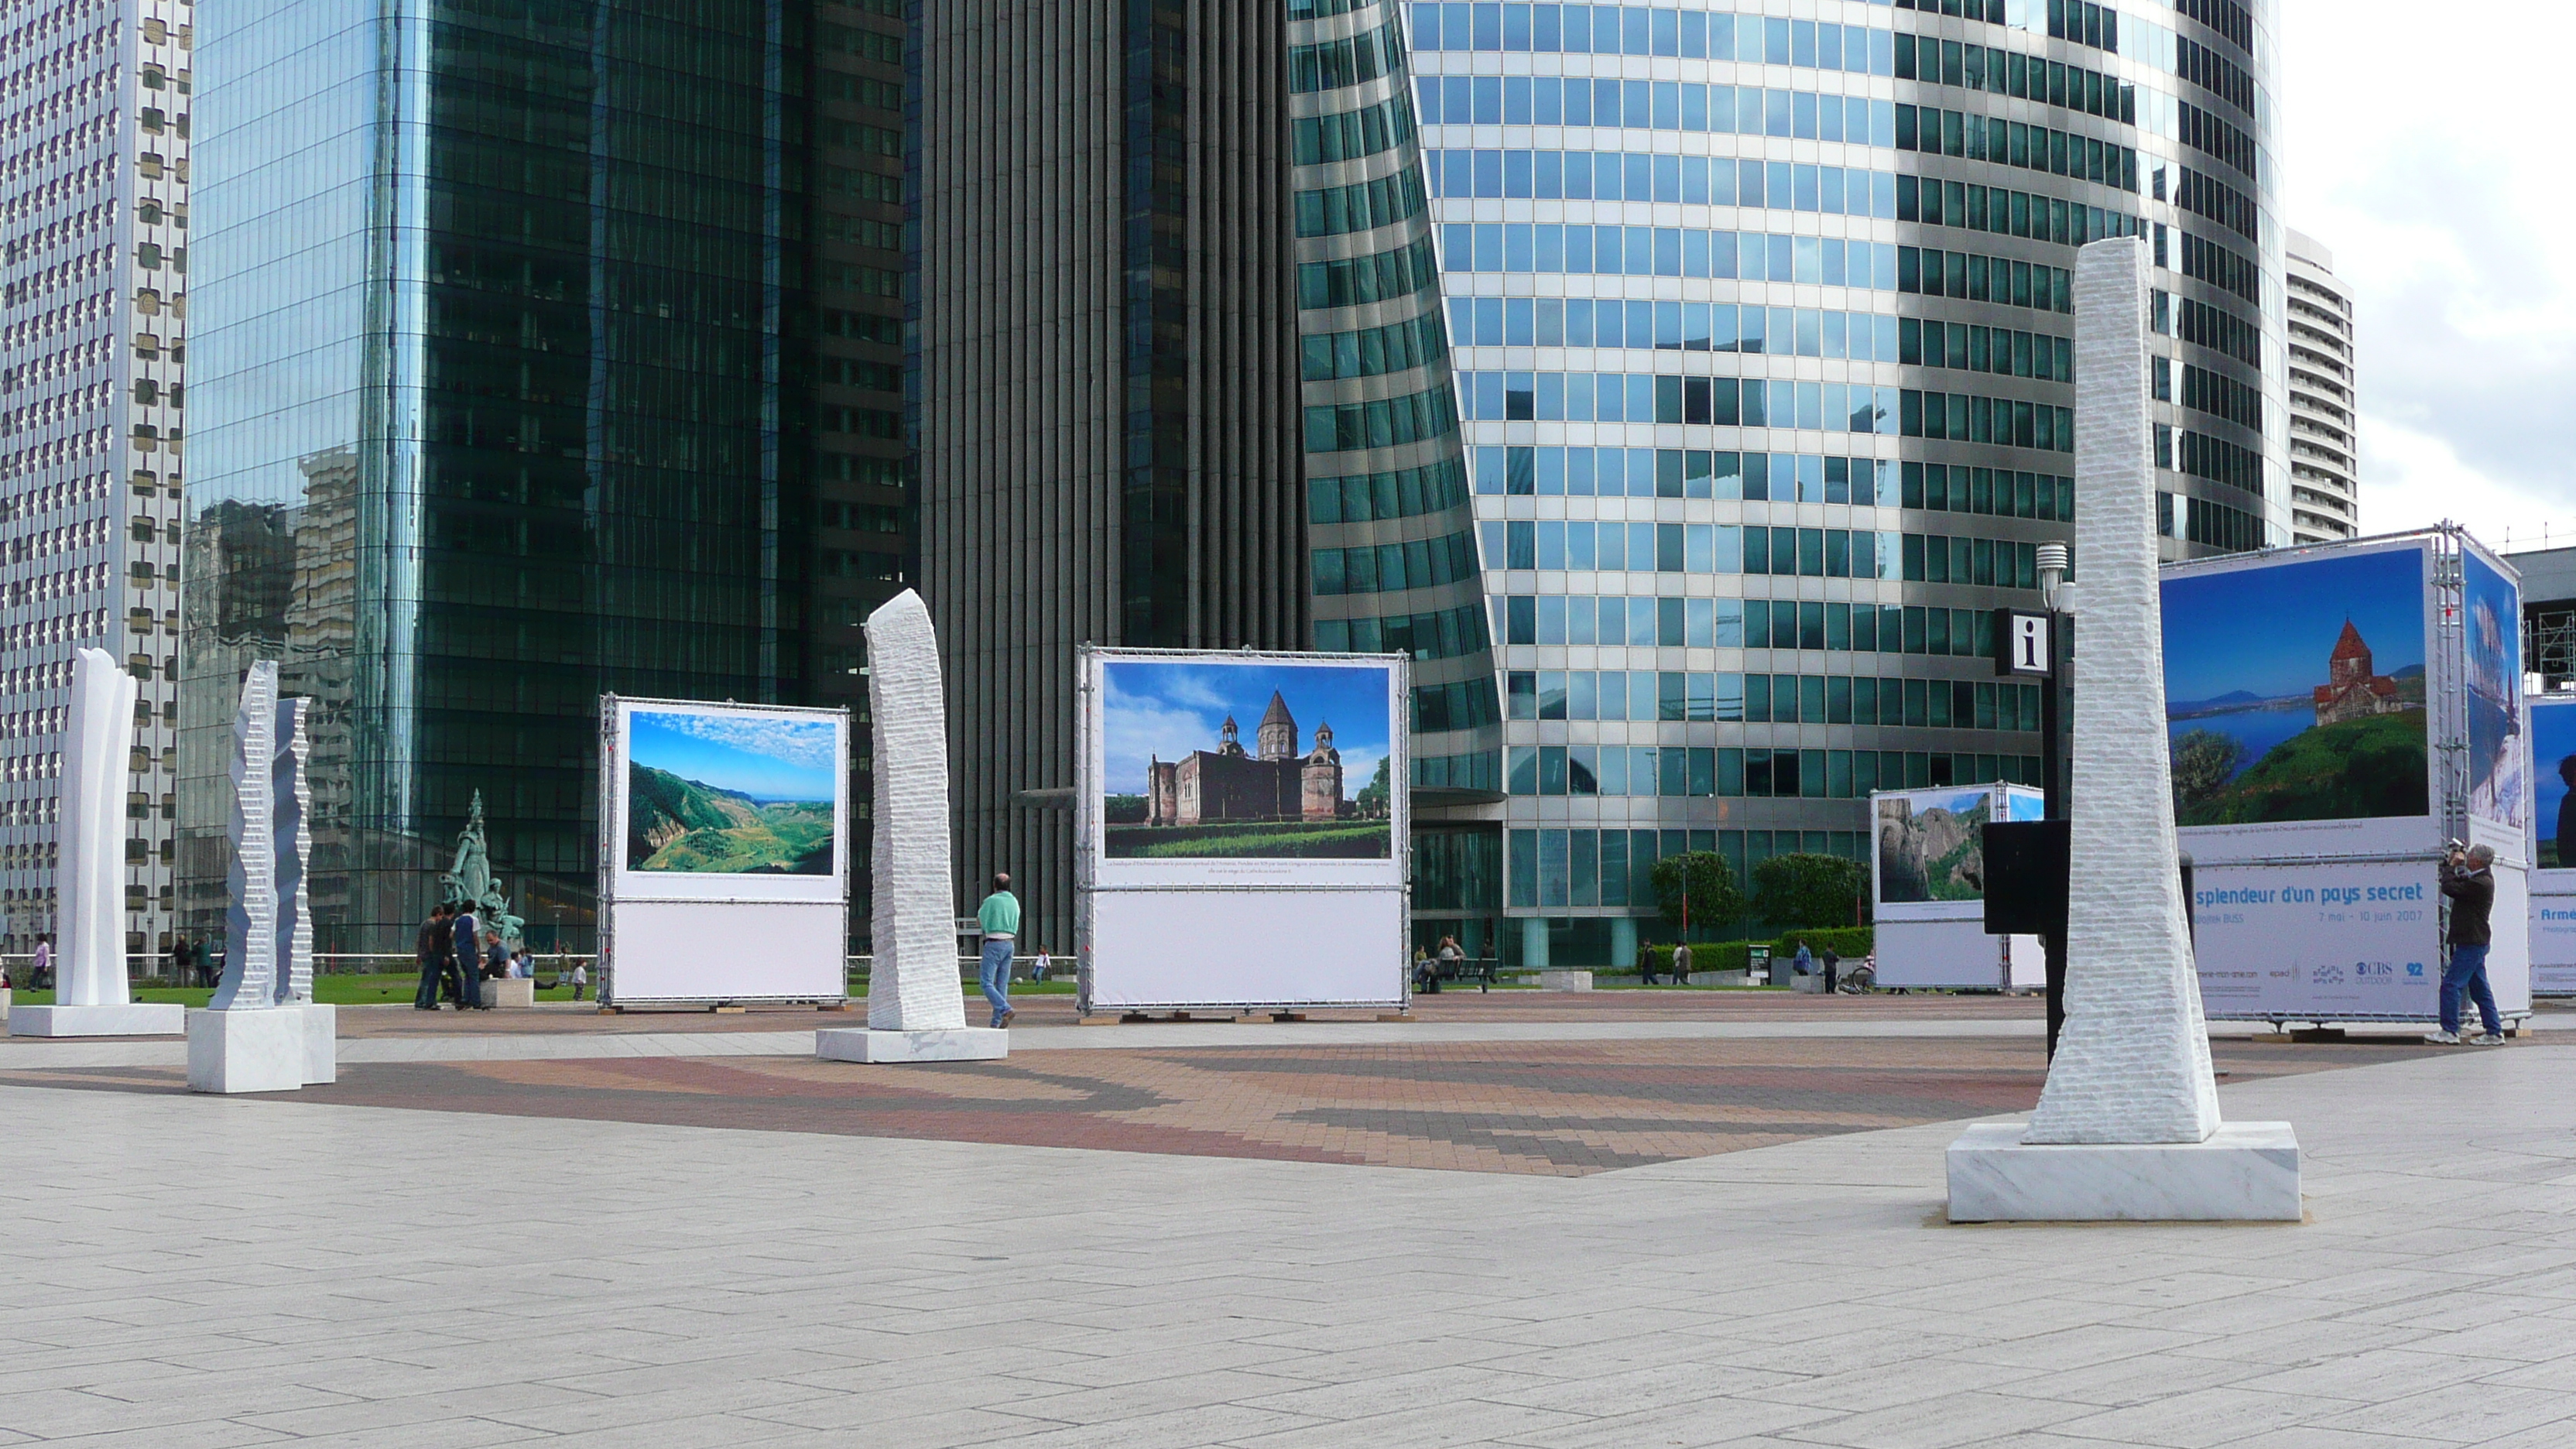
2127 1126
244 1041
916 1001
91 994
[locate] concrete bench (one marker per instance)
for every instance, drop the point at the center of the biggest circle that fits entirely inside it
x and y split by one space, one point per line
519 992
1565 981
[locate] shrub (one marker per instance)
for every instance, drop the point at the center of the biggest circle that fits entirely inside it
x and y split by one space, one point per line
1714 898
1801 890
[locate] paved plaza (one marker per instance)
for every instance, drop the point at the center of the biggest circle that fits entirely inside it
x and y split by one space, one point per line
1638 1233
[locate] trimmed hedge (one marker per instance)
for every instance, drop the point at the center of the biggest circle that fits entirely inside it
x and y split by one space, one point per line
1849 942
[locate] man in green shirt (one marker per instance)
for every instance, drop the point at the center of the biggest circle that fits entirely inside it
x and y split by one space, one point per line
1000 918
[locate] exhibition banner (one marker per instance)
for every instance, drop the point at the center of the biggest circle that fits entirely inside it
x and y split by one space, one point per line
1930 863
727 802
2296 702
2499 804
1241 829
1927 881
2553 777
2359 939
2552 732
724 851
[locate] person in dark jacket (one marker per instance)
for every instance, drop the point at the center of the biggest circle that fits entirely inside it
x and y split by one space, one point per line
430 947
465 961
2469 883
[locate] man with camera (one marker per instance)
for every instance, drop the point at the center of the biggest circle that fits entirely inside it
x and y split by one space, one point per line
2469 883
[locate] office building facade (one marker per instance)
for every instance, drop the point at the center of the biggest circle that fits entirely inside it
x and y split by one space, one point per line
1764 342
515 379
1391 521
2325 486
1108 411
95 110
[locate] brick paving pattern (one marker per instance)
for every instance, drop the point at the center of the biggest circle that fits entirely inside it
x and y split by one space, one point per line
1554 1108
1057 1010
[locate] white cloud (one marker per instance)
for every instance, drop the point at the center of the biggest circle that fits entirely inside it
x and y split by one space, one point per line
2424 151
1141 728
807 744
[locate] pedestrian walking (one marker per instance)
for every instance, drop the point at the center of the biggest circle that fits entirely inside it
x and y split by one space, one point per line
580 980
1000 918
430 946
2469 883
40 976
1831 961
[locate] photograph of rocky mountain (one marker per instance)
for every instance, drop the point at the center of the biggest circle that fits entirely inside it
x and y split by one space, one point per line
731 794
1932 847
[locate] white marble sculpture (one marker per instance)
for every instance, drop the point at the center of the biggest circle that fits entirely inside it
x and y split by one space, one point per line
290 804
2127 1126
92 997
291 809
250 921
916 1009
2133 1062
256 1034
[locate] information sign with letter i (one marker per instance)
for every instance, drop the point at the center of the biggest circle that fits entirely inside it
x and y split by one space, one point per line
2022 640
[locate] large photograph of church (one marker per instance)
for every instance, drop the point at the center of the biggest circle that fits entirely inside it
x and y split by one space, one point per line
2297 692
1258 759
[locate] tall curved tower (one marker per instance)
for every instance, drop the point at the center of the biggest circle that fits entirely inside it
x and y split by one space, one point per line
1764 342
1390 520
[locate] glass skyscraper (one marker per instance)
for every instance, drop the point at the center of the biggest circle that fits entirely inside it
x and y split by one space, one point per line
1762 327
500 405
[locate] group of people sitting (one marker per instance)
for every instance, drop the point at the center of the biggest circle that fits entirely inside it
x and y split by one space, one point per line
457 955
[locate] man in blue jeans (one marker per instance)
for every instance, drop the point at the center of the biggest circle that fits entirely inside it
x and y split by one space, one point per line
431 948
2469 883
999 917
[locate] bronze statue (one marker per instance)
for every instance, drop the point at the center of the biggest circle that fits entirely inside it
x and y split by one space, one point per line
470 884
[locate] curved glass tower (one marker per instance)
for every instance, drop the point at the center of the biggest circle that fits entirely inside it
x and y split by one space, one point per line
1390 517
1764 352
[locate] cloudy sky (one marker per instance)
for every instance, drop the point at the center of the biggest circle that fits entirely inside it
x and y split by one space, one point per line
2425 146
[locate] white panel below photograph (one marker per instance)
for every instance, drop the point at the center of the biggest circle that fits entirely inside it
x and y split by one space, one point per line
1955 955
1165 949
728 951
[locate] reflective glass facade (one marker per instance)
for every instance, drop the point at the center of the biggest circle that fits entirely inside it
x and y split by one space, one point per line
1390 512
1764 352
499 408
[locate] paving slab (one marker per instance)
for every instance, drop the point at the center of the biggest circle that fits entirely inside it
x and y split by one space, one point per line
385 1275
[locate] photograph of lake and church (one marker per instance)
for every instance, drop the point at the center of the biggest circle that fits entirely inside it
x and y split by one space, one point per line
1250 760
2297 692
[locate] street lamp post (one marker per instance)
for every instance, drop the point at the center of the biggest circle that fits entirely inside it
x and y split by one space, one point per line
2037 646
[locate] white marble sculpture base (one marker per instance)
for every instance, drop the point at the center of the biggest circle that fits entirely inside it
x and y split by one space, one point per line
246 1051
2247 1172
957 1044
321 1041
141 1018
514 993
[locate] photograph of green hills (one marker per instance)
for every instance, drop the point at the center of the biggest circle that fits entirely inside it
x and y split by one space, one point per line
720 793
